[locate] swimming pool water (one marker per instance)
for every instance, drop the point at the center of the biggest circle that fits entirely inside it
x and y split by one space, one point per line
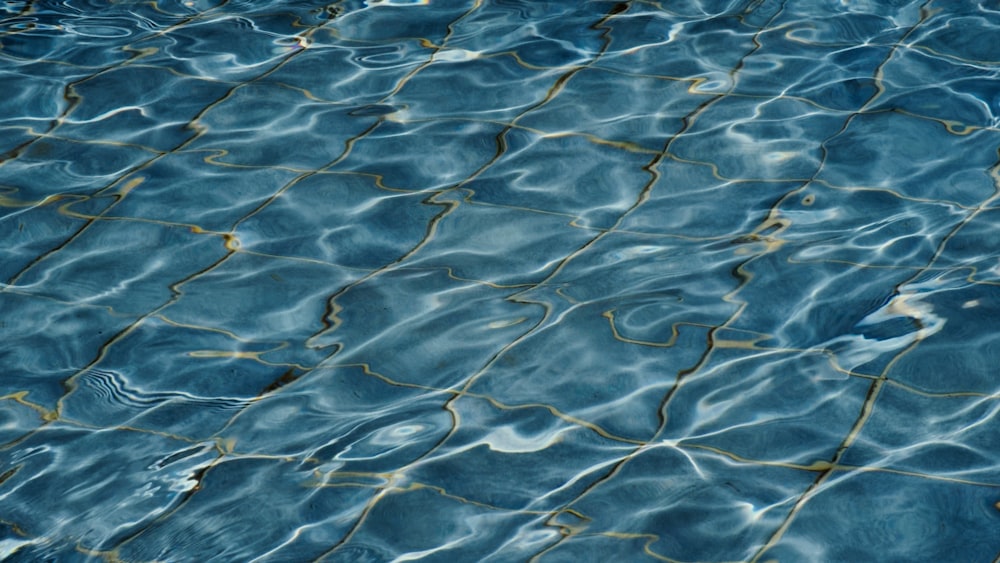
500 280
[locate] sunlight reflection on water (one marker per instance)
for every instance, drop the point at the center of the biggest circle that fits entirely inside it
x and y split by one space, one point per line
499 280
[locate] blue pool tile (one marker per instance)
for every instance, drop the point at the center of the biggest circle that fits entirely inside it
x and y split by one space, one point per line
961 35
959 349
882 229
968 249
146 106
292 517
18 417
553 39
751 138
44 37
689 202
622 397
696 494
834 77
946 435
803 406
223 48
534 242
129 280
520 440
41 479
568 175
34 100
449 335
385 22
300 133
365 227
498 280
899 518
32 231
840 308
341 438
445 88
37 324
613 106
891 150
275 293
49 167
423 155
670 276
963 98
222 194
404 524
693 42
355 74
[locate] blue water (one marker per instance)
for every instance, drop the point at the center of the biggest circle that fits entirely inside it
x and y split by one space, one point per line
500 280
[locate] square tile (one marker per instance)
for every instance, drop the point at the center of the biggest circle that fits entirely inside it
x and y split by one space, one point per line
546 461
260 298
425 156
755 139
288 518
122 265
499 245
271 125
780 407
339 218
632 110
894 518
959 347
423 327
194 188
47 341
587 373
901 153
119 481
569 175
50 166
945 436
471 86
356 74
683 499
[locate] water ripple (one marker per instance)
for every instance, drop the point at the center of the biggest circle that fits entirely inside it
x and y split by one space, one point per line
398 280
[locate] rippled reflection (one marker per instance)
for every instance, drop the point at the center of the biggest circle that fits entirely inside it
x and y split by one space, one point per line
499 280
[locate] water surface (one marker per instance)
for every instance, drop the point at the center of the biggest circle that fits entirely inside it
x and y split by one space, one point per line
499 280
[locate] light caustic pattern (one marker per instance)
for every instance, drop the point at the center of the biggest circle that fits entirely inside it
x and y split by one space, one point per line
499 280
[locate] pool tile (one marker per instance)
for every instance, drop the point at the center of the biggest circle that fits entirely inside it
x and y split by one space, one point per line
51 166
260 298
891 150
48 341
301 133
195 189
696 496
395 325
897 517
959 348
87 490
769 406
290 517
945 436
339 218
129 280
146 106
591 184
423 156
531 243
522 441
746 138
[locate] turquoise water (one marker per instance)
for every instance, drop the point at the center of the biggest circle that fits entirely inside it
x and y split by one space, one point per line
500 280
